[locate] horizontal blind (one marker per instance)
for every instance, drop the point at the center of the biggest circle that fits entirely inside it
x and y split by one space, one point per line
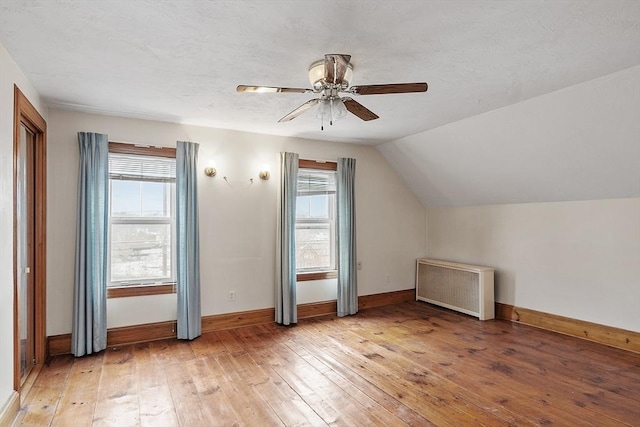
142 168
313 182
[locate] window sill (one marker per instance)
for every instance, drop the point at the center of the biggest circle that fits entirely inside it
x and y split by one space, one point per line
141 290
316 275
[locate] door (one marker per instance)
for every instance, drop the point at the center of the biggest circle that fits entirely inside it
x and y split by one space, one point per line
25 250
29 238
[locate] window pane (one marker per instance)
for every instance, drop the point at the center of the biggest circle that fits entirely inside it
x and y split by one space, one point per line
319 207
140 252
313 246
125 198
155 199
302 207
140 199
316 207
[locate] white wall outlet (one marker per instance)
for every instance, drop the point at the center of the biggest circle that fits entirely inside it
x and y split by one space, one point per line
232 296
386 279
359 265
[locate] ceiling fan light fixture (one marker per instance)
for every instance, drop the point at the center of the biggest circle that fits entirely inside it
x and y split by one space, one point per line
330 110
338 109
316 75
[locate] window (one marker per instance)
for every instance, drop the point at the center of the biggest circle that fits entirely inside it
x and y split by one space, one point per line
315 221
141 220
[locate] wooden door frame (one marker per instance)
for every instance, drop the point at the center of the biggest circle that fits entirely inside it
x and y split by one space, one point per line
25 113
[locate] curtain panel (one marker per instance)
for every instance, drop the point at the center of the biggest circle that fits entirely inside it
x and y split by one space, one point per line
285 280
187 242
89 328
346 237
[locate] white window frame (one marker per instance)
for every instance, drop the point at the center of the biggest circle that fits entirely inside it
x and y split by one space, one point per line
318 274
145 221
332 236
141 287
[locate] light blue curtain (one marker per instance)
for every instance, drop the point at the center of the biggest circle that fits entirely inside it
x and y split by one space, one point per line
188 243
286 305
89 329
346 231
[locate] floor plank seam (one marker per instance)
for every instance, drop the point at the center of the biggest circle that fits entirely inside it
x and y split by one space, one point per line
398 365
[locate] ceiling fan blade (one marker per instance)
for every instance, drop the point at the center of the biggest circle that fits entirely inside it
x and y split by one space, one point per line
301 109
359 110
270 89
389 88
335 67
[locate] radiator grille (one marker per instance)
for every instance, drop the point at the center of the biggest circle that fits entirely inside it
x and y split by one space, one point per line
462 287
453 287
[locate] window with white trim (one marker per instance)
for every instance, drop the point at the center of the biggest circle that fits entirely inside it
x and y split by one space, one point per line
141 219
315 222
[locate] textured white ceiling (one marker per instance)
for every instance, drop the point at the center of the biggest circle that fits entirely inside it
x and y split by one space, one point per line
181 60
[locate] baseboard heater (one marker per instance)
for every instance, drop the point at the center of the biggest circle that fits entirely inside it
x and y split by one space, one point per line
461 287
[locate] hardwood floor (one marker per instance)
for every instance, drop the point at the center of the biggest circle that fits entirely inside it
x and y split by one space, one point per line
406 364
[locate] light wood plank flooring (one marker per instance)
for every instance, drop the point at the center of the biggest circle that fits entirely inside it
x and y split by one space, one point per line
407 364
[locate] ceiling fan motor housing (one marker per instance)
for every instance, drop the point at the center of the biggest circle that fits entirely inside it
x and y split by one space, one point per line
317 80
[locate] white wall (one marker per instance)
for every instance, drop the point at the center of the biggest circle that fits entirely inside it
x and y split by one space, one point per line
237 219
10 74
575 259
579 147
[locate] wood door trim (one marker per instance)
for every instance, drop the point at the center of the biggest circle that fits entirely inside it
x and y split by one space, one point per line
25 113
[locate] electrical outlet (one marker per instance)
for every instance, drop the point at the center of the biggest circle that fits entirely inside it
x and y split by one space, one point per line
386 279
232 296
359 265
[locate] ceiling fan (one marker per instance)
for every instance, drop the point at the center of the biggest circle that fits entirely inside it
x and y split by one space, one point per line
331 77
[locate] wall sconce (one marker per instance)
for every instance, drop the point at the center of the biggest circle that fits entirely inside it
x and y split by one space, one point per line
264 175
210 171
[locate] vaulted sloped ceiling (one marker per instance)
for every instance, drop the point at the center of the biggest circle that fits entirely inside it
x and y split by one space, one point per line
579 143
489 130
